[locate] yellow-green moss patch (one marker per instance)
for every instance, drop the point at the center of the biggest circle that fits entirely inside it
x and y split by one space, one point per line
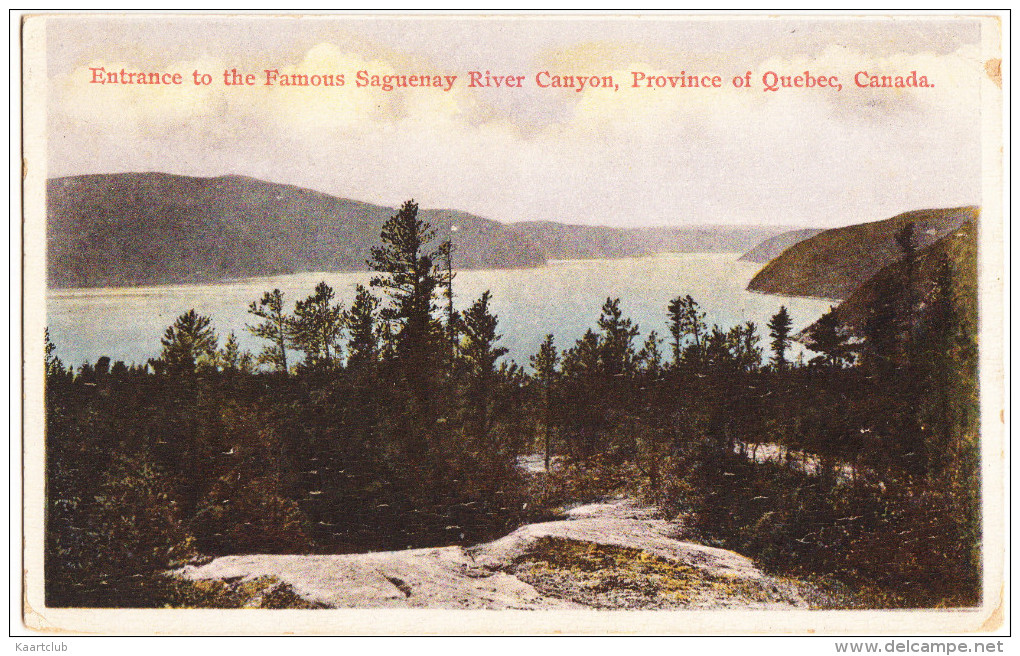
608 576
265 592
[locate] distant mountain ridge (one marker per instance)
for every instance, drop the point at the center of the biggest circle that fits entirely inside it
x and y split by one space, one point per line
565 241
157 228
833 263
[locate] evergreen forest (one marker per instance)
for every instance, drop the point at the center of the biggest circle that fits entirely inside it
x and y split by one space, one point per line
398 422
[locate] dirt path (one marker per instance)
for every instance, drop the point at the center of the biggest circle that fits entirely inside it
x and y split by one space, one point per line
604 555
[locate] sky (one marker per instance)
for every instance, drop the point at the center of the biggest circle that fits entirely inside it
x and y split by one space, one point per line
625 157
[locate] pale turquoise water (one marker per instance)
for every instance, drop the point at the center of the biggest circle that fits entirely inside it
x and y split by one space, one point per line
563 298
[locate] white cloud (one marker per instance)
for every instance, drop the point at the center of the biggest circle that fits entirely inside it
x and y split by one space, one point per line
629 156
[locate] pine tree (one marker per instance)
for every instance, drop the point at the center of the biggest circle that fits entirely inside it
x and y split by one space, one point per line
650 357
716 353
316 327
480 353
828 337
544 363
685 320
189 344
742 342
53 364
233 358
891 312
362 328
583 387
616 341
452 317
779 331
905 240
411 275
273 327
882 331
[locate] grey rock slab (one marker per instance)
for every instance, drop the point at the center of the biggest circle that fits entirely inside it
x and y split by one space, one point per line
477 577
445 577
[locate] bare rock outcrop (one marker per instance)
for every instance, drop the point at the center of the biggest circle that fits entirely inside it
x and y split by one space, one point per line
527 569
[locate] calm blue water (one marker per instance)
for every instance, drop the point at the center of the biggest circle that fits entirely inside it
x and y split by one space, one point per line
563 298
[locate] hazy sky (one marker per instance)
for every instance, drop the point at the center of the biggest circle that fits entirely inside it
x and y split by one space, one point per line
626 157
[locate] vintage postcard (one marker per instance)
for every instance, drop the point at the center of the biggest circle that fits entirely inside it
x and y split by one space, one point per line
513 323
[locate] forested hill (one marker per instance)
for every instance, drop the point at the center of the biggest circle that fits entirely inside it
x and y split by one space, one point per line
834 263
958 249
773 247
155 228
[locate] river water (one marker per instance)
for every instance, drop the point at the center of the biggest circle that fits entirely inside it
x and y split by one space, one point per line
563 298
